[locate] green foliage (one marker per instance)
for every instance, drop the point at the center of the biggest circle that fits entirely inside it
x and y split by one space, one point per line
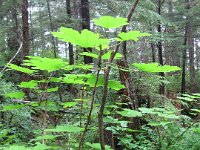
21 69
66 128
130 113
44 64
17 95
155 67
84 39
110 22
50 107
132 35
30 84
96 146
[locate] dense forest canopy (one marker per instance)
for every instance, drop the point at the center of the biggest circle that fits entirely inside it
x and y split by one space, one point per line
99 74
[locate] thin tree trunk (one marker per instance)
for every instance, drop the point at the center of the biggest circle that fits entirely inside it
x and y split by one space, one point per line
25 39
25 30
54 46
51 28
71 51
42 33
184 59
191 60
160 50
85 13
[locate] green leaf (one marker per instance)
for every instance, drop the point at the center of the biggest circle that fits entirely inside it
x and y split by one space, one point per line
30 84
130 113
147 110
46 137
48 105
86 38
69 104
17 95
90 54
191 96
112 84
40 146
12 107
186 99
54 89
162 123
110 22
16 147
108 54
97 146
155 67
45 64
132 35
196 110
21 69
115 85
66 128
75 78
82 66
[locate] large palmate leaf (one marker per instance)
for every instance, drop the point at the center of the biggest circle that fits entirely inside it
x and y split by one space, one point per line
76 78
110 22
112 84
161 112
132 35
45 137
130 113
82 66
97 146
66 128
15 147
84 39
21 69
69 104
17 95
12 107
44 63
30 84
155 67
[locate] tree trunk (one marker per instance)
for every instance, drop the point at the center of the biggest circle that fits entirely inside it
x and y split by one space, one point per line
25 39
191 60
184 59
159 45
71 51
25 30
51 28
85 14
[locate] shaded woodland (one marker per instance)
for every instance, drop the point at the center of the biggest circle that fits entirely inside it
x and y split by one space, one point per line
99 74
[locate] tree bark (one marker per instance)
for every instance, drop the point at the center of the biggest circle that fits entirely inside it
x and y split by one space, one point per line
191 60
70 46
184 59
51 28
25 40
25 30
85 14
160 50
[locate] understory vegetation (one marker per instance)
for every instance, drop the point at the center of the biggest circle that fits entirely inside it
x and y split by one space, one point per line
103 96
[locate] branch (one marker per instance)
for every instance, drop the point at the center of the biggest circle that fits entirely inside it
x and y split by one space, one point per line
20 47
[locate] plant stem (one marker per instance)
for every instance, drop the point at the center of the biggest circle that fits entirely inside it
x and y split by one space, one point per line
106 77
92 101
